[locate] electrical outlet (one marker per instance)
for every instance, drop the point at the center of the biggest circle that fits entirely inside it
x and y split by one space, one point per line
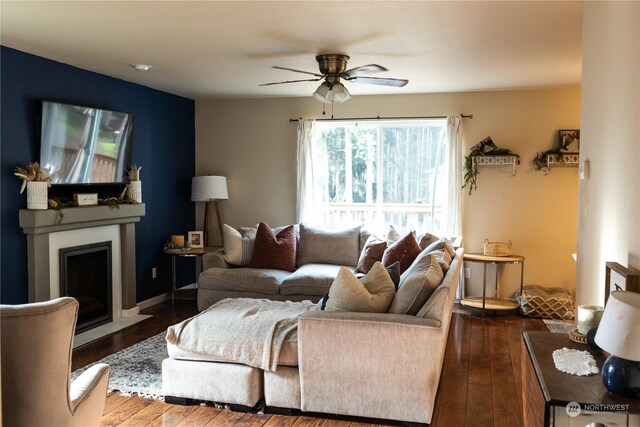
467 273
154 273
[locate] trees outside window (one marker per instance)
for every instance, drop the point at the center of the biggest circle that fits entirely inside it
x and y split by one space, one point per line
381 173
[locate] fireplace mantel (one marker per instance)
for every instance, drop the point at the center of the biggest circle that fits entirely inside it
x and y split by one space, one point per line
38 224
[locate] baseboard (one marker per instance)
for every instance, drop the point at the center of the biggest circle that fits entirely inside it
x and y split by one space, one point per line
130 312
153 301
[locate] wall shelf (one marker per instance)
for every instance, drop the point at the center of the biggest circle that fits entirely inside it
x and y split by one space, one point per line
563 160
494 161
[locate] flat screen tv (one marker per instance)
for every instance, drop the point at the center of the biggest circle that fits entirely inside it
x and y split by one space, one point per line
89 145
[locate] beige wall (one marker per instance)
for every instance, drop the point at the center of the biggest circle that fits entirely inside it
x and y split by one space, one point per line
254 145
609 201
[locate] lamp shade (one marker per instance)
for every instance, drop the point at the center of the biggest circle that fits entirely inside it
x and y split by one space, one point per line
619 329
205 188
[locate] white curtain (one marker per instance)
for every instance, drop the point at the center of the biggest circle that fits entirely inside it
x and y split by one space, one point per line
454 176
307 195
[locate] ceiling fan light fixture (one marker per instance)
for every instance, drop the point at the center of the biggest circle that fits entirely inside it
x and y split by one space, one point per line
335 92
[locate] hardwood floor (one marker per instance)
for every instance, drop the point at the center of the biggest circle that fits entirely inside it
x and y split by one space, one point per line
480 383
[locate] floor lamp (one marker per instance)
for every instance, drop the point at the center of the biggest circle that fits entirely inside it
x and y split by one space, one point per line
209 189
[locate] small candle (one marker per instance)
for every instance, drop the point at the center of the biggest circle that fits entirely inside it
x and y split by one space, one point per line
177 240
588 317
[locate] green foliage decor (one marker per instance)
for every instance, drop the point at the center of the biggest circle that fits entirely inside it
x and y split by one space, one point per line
484 148
540 162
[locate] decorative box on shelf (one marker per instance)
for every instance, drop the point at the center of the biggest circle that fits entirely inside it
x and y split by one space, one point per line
491 160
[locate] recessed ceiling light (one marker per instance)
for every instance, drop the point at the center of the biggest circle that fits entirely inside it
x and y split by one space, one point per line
141 67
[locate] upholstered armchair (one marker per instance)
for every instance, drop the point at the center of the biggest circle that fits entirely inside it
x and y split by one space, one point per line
36 345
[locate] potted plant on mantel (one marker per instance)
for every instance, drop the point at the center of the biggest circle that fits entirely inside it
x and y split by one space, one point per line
37 181
134 188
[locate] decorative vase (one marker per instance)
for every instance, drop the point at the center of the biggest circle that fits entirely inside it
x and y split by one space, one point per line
37 192
134 191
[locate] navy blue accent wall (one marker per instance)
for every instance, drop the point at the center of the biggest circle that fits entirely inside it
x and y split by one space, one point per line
164 145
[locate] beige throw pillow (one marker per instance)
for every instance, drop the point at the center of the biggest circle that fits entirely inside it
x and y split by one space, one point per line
373 293
238 245
417 284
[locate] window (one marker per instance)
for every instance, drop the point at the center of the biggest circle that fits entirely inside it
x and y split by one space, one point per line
381 173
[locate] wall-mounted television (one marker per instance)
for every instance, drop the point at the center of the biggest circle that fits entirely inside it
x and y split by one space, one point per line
89 145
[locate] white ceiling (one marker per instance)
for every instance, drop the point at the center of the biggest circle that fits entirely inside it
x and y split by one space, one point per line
225 49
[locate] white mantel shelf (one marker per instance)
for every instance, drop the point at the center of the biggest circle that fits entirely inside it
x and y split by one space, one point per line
38 225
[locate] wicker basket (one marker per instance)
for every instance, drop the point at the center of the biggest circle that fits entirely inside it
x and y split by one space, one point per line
497 248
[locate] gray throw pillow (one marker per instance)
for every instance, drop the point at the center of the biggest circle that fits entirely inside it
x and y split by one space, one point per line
328 246
417 284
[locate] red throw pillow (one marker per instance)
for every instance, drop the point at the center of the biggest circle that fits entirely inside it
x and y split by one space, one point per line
404 250
271 251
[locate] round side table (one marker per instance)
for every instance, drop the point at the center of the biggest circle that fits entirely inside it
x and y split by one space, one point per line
187 253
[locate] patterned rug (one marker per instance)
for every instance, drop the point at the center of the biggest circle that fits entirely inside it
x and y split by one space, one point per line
137 369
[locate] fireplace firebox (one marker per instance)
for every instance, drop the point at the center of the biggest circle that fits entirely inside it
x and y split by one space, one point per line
85 274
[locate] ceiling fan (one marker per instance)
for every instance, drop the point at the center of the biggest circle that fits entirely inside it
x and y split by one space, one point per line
333 67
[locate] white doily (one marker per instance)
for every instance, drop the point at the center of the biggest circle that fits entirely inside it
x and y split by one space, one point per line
575 362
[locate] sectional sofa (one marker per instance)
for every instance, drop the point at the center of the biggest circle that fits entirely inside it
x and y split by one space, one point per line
377 365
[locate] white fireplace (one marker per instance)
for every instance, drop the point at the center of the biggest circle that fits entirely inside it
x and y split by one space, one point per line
46 235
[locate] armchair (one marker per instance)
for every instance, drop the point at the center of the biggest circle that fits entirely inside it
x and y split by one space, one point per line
36 345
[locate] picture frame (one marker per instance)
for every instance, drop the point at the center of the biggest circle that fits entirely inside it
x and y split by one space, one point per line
570 140
196 239
620 278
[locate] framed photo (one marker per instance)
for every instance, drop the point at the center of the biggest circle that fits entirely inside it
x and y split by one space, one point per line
196 239
620 278
570 140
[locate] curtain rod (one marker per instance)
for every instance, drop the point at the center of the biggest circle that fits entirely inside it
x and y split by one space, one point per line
353 119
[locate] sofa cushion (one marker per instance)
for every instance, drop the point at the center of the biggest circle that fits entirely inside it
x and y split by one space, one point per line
310 279
426 239
404 250
258 280
238 244
373 293
443 258
417 284
274 251
442 243
373 251
328 246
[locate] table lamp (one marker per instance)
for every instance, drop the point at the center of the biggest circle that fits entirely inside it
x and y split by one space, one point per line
209 189
619 335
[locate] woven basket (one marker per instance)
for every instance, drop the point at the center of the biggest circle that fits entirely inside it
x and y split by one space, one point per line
497 248
546 303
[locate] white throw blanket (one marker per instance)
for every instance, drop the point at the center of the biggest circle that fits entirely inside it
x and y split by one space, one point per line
245 330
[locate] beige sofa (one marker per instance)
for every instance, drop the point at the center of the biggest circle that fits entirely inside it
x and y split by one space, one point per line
320 254
376 365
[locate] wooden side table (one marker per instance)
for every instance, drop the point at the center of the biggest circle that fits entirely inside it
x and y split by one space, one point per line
187 253
496 303
551 397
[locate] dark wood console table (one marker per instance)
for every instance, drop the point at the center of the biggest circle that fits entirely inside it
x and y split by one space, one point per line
547 391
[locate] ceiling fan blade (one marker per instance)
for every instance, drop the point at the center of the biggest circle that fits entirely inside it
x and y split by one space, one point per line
291 81
371 68
380 81
297 71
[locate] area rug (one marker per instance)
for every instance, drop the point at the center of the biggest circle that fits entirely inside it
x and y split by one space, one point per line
136 369
560 326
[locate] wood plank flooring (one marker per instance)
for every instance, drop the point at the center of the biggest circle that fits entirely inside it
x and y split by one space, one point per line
480 384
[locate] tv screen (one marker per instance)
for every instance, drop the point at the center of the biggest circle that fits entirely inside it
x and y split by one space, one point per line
89 145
